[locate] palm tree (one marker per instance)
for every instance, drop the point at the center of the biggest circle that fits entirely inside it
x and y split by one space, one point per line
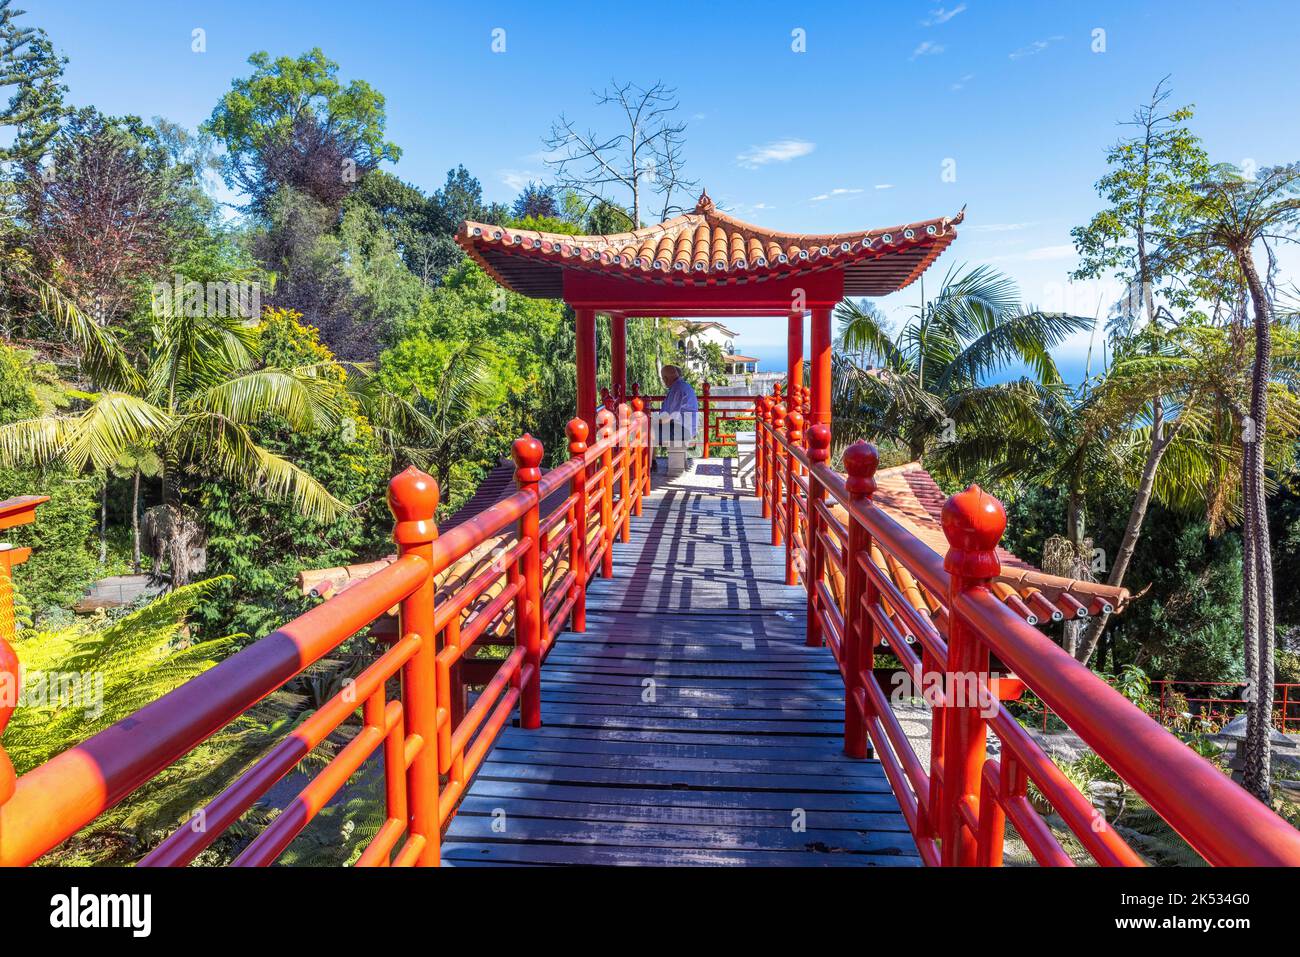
931 378
193 402
432 427
1232 213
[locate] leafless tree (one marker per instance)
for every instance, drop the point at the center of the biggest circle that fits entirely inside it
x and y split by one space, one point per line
643 160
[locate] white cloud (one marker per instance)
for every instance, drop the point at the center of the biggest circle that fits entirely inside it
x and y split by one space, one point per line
962 82
1035 48
884 186
838 191
942 15
926 48
1066 251
517 179
778 151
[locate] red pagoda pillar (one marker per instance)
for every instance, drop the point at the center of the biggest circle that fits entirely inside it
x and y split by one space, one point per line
586 357
618 355
794 354
820 406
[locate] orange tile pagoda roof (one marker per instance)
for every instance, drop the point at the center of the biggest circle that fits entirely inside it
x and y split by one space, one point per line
708 247
913 499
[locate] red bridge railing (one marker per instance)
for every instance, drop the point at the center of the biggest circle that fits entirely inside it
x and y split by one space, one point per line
430 752
717 412
958 802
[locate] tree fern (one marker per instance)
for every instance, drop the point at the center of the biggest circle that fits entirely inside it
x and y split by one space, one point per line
81 679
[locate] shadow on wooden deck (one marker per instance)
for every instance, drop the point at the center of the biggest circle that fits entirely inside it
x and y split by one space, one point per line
689 724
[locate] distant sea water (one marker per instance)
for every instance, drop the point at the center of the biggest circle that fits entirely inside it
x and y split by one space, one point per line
1071 366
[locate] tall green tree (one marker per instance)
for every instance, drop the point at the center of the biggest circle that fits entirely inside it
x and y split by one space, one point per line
194 401
33 71
1148 192
1235 213
292 123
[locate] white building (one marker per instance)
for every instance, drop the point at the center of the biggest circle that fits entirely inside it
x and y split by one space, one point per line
694 337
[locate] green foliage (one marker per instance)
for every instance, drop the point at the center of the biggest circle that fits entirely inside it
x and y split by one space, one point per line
1149 190
292 123
29 65
262 544
934 368
506 336
196 402
81 679
1187 622
62 563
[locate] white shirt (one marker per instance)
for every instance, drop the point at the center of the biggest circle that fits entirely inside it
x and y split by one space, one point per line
680 409
680 398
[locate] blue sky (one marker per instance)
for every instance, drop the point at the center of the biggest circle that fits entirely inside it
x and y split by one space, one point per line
853 132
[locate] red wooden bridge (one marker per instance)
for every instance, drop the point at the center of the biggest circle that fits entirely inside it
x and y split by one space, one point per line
685 674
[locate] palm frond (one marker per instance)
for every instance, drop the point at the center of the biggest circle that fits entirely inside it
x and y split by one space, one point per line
298 396
102 356
114 423
226 446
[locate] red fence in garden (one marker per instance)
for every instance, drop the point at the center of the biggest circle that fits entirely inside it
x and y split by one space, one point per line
958 803
1175 702
430 751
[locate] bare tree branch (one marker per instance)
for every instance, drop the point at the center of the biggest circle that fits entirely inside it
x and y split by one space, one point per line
645 160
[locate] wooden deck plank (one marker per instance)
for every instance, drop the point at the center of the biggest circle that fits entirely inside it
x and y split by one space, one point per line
689 724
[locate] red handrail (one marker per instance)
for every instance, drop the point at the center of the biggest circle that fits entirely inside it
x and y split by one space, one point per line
430 753
957 808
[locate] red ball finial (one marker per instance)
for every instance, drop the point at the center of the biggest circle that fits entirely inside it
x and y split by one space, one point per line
776 389
973 523
413 500
578 431
794 425
860 461
527 453
604 423
819 443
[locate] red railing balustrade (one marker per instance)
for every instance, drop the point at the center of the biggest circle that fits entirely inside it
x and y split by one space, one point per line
958 802
429 750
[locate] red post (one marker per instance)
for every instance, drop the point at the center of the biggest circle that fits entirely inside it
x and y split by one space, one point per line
604 429
704 405
624 477
10 678
577 430
585 328
640 448
794 358
819 453
618 354
860 461
793 436
760 440
778 463
413 500
528 604
819 396
973 522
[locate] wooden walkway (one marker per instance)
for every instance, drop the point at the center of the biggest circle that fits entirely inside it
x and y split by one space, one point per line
689 724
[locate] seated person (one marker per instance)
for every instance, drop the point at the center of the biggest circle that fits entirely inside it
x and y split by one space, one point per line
679 414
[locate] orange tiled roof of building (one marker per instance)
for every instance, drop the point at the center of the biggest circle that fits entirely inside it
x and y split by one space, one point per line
709 247
912 498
